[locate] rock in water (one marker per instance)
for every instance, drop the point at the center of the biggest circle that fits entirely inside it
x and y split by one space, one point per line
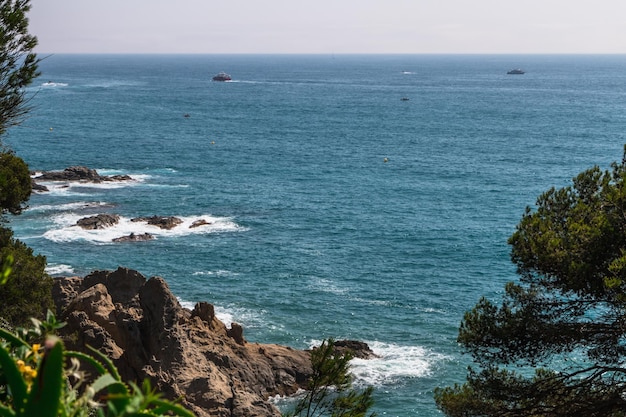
101 221
163 222
133 237
198 223
73 173
79 173
355 348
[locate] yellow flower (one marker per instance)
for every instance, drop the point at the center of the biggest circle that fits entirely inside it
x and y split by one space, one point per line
36 347
29 371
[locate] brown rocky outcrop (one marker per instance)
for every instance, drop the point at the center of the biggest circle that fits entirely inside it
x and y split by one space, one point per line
189 354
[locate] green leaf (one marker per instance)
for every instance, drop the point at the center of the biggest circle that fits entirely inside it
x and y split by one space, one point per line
112 369
6 412
102 382
45 393
14 340
79 355
163 406
14 379
118 396
7 266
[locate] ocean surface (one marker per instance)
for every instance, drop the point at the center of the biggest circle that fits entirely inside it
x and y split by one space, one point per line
349 196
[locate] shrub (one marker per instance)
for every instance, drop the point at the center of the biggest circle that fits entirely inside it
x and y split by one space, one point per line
28 289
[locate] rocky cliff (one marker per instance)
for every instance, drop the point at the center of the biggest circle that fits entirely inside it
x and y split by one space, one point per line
139 323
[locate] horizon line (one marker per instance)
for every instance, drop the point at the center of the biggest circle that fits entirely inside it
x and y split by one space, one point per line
339 54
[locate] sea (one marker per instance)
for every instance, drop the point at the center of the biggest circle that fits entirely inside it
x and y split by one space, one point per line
365 197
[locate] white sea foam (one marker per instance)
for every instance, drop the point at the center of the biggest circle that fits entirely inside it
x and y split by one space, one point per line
396 363
65 228
77 205
70 188
218 273
59 270
186 304
328 286
105 185
53 84
57 188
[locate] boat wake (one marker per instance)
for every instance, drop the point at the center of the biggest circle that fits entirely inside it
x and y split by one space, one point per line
52 84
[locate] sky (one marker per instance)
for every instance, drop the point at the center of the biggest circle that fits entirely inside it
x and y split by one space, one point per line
330 26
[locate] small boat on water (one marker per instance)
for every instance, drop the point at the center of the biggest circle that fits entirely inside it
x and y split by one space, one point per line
222 76
516 71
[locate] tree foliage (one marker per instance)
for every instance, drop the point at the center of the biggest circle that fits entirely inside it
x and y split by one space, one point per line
28 290
556 344
330 391
18 62
15 183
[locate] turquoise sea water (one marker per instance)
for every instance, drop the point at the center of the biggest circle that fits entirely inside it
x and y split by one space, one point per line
336 208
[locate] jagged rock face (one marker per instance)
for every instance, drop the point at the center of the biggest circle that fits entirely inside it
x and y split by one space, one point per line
190 354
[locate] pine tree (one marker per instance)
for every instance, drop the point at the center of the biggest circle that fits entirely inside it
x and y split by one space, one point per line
557 343
27 289
330 391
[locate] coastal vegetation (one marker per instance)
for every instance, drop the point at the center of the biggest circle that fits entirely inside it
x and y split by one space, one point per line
330 391
40 378
555 345
18 62
39 375
26 292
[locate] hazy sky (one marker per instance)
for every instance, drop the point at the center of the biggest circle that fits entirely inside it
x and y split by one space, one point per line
325 26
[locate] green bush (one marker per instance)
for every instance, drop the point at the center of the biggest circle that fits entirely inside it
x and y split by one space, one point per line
15 183
47 381
28 289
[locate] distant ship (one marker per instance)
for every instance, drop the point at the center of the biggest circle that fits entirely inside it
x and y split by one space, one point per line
516 71
222 76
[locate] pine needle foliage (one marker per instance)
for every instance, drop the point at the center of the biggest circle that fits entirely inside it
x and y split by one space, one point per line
330 391
556 345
